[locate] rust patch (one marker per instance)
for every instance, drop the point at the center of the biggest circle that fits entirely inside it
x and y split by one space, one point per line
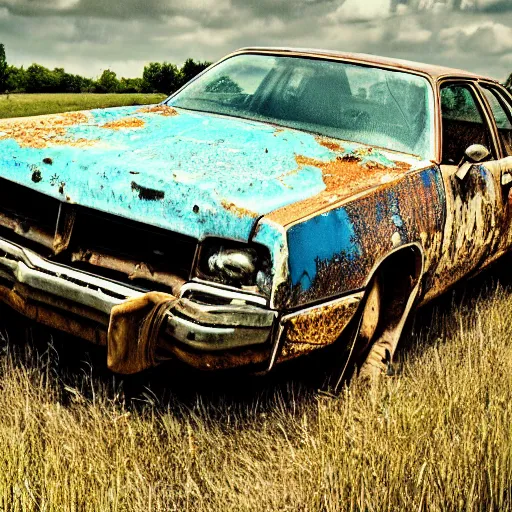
329 144
77 143
27 231
19 299
343 176
163 110
323 325
209 361
125 122
36 175
294 350
237 210
64 228
43 131
318 327
133 269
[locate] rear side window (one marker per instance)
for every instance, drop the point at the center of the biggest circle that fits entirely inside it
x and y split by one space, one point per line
463 123
502 113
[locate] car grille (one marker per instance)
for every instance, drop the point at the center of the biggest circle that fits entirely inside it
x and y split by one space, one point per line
113 247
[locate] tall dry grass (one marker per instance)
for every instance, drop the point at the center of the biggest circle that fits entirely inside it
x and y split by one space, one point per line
437 436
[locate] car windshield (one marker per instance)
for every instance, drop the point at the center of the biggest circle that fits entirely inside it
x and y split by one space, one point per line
378 107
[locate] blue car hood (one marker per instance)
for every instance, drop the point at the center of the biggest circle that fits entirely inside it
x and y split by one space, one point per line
193 173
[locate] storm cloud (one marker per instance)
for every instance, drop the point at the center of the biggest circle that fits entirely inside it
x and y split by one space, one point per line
87 36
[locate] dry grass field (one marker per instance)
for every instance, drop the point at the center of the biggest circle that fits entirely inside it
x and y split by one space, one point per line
437 436
18 105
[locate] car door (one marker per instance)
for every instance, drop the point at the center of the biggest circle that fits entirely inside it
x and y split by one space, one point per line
474 202
499 103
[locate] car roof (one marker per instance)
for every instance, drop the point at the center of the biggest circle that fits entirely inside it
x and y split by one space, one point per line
435 72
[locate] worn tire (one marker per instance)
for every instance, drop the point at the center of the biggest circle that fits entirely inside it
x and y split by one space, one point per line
359 338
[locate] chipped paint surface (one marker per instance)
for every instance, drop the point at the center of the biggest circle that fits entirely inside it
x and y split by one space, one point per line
335 251
472 230
318 327
43 131
163 110
196 174
210 175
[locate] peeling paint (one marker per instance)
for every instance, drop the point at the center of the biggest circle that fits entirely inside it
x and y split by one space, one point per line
471 231
148 194
237 210
318 327
127 122
334 252
41 131
163 110
216 174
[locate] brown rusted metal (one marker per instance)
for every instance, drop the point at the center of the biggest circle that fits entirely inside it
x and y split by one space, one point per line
163 110
474 211
20 227
317 327
210 361
64 228
43 131
126 122
53 318
133 269
344 176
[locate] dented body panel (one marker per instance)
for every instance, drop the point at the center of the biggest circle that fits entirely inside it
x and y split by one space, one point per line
175 172
316 219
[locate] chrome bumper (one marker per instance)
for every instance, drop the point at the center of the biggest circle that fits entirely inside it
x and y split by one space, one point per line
241 320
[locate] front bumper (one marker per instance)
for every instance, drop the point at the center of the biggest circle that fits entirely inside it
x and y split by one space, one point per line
204 319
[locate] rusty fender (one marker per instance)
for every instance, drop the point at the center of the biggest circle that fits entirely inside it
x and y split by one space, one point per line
316 327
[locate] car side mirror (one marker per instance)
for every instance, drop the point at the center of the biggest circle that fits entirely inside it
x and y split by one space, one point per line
476 153
473 155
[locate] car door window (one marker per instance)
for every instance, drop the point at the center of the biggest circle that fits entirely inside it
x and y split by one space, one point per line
502 113
463 122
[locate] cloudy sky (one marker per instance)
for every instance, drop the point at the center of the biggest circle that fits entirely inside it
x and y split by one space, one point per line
87 36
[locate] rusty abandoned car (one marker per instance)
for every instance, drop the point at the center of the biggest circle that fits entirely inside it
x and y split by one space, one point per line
278 198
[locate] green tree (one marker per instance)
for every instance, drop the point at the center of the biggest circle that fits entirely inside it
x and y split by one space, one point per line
224 84
16 79
107 82
165 77
3 69
191 68
130 85
41 79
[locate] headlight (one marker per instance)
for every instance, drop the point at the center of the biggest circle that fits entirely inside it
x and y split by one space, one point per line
235 264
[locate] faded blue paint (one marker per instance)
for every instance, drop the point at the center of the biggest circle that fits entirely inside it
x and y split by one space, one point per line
273 236
321 238
201 163
198 161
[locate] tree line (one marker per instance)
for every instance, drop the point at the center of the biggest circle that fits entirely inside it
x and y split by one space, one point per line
157 77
